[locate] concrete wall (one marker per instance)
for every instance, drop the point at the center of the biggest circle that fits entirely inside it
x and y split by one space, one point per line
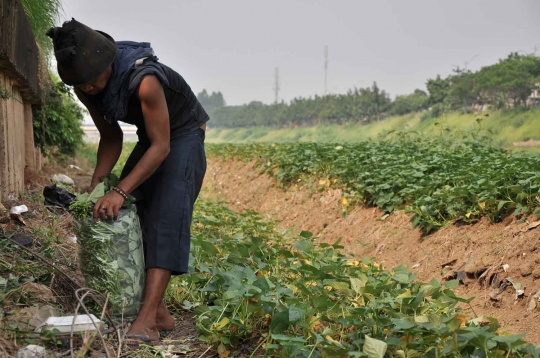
20 86
12 144
19 53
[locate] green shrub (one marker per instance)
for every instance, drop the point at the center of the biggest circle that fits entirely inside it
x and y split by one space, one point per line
57 123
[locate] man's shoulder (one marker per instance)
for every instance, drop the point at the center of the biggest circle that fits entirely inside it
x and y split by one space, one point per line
133 44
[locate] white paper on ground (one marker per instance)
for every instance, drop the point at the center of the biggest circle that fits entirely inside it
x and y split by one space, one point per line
18 210
63 324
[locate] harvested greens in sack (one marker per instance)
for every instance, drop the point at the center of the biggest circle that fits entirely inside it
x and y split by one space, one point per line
111 252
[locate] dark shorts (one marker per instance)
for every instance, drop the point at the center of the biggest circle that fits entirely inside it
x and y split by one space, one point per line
165 201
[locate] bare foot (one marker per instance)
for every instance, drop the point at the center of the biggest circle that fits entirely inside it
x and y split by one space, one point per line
144 329
164 319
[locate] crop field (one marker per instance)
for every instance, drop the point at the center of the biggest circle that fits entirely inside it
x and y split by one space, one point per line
440 180
284 296
259 289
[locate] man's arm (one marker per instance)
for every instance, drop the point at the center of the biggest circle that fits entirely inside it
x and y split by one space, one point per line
110 142
156 121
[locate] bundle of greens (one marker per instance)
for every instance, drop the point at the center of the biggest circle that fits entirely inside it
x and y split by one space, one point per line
83 205
111 252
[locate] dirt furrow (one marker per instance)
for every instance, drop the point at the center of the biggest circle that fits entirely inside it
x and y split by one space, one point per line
474 253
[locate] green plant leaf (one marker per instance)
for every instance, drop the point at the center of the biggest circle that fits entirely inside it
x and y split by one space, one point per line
97 193
295 314
285 338
280 322
304 246
374 348
402 324
209 248
357 284
339 286
428 290
264 284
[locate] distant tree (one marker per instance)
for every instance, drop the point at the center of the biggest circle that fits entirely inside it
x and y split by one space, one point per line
255 105
410 103
511 80
438 89
379 102
203 97
463 93
210 102
217 100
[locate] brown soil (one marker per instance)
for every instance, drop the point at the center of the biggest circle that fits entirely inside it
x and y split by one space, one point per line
476 251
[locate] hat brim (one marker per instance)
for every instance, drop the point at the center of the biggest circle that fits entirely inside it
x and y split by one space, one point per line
109 37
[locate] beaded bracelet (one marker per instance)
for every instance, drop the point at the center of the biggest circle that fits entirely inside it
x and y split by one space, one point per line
120 191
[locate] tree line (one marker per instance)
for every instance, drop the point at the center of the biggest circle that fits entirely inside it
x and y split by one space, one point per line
508 83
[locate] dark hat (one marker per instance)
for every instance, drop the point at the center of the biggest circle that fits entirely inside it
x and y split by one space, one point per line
82 54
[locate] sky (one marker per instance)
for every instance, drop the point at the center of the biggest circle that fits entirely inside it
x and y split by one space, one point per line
234 46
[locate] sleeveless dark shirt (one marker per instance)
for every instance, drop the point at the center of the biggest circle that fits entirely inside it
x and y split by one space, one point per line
186 114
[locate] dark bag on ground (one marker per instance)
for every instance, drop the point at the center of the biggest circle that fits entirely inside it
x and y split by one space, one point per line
57 199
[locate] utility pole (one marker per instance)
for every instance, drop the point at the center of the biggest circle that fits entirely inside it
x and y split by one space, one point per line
325 70
276 84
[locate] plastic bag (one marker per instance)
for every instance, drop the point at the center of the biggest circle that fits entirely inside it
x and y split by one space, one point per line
112 260
56 197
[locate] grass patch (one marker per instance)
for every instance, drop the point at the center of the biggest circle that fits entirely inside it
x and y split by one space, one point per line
506 126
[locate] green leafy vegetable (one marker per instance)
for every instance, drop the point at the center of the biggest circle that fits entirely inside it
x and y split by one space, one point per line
111 259
83 205
111 252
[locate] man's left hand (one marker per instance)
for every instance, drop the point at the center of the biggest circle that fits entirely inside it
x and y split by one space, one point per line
107 207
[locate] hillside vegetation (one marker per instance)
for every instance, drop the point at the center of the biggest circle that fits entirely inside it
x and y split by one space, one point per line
506 126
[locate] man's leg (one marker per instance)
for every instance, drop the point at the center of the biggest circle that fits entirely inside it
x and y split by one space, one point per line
156 283
164 319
